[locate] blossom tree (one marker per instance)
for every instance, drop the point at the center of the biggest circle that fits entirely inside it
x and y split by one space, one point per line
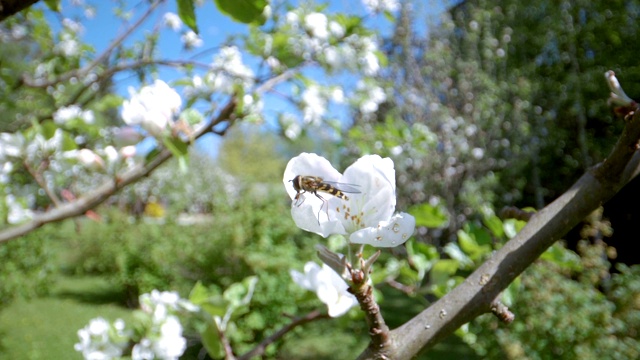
76 142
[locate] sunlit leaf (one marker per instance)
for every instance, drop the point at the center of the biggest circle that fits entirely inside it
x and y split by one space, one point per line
187 14
429 215
245 11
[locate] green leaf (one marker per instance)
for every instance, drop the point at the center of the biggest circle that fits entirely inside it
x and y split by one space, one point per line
48 129
245 11
494 224
453 250
562 257
429 215
179 149
443 270
211 341
53 5
187 14
68 143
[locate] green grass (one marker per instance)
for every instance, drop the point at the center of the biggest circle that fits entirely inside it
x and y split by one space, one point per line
46 328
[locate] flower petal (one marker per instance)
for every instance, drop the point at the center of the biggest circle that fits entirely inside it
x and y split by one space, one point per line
311 213
390 233
376 178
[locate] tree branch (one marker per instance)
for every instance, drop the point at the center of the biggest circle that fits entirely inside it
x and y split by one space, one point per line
10 7
104 191
260 348
477 293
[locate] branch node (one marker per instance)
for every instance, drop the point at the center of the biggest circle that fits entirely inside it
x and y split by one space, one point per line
502 312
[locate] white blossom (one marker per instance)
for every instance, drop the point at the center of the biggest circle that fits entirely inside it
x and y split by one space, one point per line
172 20
168 343
374 6
314 104
316 24
367 216
330 288
16 212
153 108
68 46
90 159
229 70
101 341
64 114
191 40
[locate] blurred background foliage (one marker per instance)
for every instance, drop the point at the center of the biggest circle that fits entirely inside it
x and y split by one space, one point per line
501 104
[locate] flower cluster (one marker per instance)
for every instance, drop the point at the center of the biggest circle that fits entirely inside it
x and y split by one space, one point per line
102 340
161 336
366 215
154 108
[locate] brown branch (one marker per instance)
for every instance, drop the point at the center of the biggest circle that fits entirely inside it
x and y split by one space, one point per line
37 176
226 345
478 292
378 329
10 7
104 191
260 348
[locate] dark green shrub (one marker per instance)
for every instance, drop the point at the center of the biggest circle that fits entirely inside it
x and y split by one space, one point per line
27 264
563 314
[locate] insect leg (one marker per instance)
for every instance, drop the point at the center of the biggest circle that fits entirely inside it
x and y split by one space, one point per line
299 199
324 202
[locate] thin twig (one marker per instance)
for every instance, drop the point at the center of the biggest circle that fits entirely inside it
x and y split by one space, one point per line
108 188
260 348
38 83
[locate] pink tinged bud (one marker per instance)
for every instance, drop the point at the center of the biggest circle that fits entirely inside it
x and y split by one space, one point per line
125 136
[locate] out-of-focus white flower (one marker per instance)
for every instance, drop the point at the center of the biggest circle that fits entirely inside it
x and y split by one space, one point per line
168 344
18 31
68 46
314 104
128 151
64 114
330 288
368 59
191 40
372 96
111 154
316 24
374 6
101 341
17 213
172 20
73 26
153 108
11 145
5 170
229 70
164 340
366 217
336 29
90 159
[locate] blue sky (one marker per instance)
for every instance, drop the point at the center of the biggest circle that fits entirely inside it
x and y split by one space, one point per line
214 28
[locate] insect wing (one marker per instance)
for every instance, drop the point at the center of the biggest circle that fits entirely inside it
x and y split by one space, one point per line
347 188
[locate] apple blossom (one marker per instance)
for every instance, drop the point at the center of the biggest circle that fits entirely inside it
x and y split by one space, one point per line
102 341
328 285
366 217
153 108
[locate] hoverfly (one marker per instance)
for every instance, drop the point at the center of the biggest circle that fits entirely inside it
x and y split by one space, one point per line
315 184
